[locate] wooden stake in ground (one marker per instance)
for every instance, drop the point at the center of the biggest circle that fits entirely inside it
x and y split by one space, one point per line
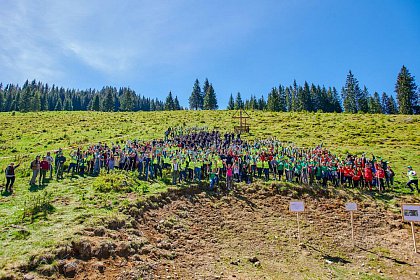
411 213
351 206
414 237
297 206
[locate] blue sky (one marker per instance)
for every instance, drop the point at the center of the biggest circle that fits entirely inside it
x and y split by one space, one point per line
248 46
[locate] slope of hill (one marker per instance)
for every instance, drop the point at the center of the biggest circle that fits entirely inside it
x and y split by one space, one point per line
252 222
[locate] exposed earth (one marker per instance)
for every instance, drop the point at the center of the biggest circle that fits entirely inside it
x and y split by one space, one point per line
246 234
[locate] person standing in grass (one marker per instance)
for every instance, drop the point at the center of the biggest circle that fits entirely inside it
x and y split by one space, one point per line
390 179
229 176
368 176
50 163
380 176
44 167
35 166
175 171
10 176
73 163
280 167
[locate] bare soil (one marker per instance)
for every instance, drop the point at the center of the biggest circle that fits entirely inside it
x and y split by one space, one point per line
245 234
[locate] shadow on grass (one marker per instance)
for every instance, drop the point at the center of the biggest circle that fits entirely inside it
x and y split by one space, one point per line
6 193
382 256
334 259
35 188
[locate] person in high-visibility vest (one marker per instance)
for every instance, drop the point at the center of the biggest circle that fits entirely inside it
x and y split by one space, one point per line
412 179
266 168
259 167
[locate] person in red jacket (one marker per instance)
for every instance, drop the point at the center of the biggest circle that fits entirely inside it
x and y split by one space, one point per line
348 175
45 166
368 176
357 176
380 176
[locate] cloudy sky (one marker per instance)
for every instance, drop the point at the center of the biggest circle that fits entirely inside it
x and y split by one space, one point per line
248 46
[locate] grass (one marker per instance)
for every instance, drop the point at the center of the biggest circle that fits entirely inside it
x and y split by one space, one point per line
34 220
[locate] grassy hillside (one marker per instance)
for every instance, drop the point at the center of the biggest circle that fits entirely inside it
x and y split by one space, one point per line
395 138
60 209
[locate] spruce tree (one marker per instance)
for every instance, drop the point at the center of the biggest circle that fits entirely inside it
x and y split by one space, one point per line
210 100
231 103
362 100
36 102
239 104
196 98
176 104
306 101
384 103
262 105
336 103
127 101
96 104
169 102
392 106
282 99
349 93
206 86
374 104
288 95
405 88
273 100
108 105
25 100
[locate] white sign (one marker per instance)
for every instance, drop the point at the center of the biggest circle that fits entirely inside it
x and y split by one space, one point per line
351 206
297 206
411 212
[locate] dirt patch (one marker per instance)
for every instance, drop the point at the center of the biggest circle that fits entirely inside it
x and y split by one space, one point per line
247 234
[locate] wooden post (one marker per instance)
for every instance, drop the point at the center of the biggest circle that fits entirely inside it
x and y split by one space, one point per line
352 228
414 237
297 216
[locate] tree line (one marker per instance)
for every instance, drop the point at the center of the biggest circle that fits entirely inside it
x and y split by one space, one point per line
36 96
353 98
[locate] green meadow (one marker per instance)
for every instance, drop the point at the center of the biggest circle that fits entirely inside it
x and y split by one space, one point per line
35 219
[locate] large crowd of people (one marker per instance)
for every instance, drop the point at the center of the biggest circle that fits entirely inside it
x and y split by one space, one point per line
202 155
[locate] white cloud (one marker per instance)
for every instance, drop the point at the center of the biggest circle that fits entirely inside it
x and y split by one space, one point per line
39 37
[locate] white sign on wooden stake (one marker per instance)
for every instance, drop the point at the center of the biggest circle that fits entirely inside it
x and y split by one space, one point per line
297 206
411 213
351 206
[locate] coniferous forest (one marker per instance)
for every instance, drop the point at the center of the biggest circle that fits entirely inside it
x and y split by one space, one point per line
352 98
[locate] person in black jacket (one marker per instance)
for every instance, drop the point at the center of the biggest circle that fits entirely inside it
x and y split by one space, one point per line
10 176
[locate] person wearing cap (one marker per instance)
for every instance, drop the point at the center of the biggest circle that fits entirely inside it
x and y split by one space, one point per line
412 178
10 176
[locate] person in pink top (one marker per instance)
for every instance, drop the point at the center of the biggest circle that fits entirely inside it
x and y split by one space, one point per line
229 176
